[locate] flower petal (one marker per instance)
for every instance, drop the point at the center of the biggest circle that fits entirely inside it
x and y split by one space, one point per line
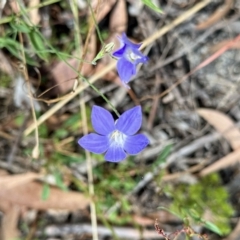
141 58
102 120
115 153
130 121
135 144
94 143
125 40
120 52
125 69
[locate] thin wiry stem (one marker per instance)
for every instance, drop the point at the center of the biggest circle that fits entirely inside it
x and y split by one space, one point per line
78 44
111 66
94 20
35 152
90 175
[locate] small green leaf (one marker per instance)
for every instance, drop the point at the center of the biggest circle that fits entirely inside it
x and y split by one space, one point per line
59 181
73 122
19 120
20 26
60 133
170 211
125 204
213 227
11 45
45 192
163 155
38 44
14 48
152 6
194 214
43 131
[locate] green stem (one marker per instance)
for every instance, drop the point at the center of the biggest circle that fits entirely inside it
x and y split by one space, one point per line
60 56
103 96
95 23
46 3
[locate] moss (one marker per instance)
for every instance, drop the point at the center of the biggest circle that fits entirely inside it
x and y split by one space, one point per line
208 195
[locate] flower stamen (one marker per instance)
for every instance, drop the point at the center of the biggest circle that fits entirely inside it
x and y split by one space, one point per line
133 57
118 138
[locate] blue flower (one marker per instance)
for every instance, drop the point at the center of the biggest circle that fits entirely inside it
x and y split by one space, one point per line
117 138
128 58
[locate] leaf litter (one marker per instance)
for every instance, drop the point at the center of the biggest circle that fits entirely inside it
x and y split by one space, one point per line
200 119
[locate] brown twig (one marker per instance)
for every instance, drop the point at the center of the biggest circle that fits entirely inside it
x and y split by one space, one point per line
111 66
200 66
154 107
35 152
197 41
85 131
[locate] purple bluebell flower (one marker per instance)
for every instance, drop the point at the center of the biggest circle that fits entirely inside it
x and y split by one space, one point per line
116 139
128 58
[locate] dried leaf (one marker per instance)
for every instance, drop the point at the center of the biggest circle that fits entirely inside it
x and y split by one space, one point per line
227 128
10 221
14 6
221 44
118 18
3 172
216 16
223 124
18 191
143 221
29 195
5 65
105 7
13 181
65 76
34 14
229 160
91 53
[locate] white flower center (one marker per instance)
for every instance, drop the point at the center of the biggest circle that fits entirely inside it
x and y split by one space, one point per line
132 56
118 138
